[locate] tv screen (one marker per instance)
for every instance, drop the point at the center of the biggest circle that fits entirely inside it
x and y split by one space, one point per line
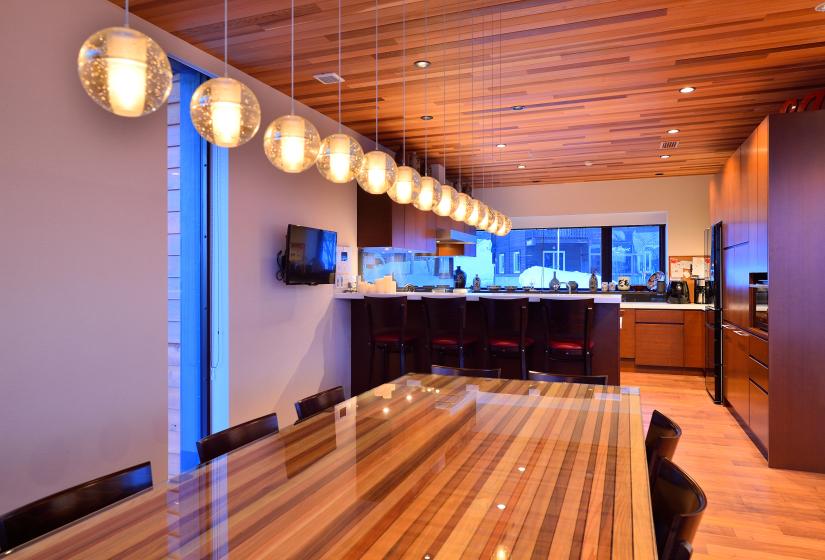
310 255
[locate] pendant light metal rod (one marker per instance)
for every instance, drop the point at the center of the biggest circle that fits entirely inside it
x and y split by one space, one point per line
472 98
225 38
404 81
339 66
376 74
444 90
426 76
292 57
458 107
126 14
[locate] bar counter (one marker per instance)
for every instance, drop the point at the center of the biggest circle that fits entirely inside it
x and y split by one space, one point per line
605 336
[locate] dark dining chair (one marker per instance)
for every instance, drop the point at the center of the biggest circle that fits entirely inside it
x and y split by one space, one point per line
312 405
445 327
505 329
678 504
581 379
466 372
227 440
662 438
387 332
34 520
568 331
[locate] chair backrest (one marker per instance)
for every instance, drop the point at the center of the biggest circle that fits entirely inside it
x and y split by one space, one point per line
319 402
582 379
505 317
386 314
52 512
678 504
232 438
662 438
445 315
467 372
568 319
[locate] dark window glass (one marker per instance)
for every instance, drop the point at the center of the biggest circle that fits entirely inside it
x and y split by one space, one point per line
636 252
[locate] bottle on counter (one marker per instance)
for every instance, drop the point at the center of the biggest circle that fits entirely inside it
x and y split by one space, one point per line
476 284
460 278
594 282
554 283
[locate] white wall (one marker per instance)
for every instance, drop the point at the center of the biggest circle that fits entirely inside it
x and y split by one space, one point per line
83 273
680 202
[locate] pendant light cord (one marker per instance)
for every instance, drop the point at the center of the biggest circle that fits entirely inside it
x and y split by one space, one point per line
458 107
339 67
292 57
376 74
472 99
126 15
426 76
225 38
444 90
404 81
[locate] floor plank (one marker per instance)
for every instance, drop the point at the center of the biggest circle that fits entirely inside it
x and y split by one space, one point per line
753 512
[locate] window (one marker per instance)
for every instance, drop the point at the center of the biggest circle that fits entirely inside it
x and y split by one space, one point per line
501 263
516 266
637 252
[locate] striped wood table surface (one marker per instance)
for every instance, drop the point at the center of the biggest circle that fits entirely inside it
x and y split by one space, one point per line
424 467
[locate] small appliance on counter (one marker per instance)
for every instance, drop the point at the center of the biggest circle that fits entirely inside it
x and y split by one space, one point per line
678 292
699 295
624 283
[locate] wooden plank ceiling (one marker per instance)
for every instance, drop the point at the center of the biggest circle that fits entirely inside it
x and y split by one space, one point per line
599 79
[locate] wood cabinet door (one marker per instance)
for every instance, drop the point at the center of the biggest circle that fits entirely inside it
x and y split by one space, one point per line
749 170
760 253
694 343
734 356
731 193
627 334
660 345
758 407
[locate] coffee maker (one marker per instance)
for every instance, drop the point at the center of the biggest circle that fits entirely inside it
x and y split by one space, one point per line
700 291
678 292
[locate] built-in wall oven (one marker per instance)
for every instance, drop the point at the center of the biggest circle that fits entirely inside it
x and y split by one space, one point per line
759 300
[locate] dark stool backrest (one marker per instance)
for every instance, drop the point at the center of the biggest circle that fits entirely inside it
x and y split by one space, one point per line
467 372
582 379
506 317
662 438
569 320
445 316
386 314
52 512
232 438
678 504
319 402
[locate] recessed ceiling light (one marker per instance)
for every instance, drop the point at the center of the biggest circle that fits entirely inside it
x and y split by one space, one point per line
422 63
664 156
687 89
501 506
588 163
521 166
426 117
820 7
674 131
386 410
501 146
518 107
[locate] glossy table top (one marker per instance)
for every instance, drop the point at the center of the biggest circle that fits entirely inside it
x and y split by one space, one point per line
426 466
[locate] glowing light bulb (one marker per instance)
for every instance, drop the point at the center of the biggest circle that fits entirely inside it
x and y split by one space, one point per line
126 74
484 221
225 112
292 143
462 208
474 213
341 158
407 185
429 196
378 173
446 205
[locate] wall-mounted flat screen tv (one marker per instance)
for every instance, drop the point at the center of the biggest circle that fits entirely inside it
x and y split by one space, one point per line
310 255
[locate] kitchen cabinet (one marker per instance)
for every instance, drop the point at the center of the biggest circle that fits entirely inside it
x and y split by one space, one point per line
627 336
758 420
382 223
659 344
735 356
694 339
735 296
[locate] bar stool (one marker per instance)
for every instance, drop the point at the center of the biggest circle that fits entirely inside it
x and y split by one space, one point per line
505 329
568 329
387 331
446 322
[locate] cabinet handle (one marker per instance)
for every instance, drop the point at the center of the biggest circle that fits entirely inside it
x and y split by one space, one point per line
741 333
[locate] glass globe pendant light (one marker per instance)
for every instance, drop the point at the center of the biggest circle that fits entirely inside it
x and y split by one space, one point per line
448 202
292 143
224 111
462 207
341 157
124 71
430 193
495 218
504 227
379 170
407 184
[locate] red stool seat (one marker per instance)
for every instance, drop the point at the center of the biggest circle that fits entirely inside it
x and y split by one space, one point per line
568 345
450 341
393 337
508 343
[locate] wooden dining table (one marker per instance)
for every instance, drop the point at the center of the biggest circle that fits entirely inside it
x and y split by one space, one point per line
424 467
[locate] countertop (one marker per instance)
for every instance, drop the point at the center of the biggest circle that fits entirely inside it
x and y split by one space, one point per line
598 298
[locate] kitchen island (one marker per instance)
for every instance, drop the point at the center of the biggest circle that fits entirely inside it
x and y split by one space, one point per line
605 335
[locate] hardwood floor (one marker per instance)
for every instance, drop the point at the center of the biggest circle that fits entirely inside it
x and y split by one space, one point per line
753 512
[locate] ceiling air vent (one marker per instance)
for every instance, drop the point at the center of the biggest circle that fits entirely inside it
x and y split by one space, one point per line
669 144
328 78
